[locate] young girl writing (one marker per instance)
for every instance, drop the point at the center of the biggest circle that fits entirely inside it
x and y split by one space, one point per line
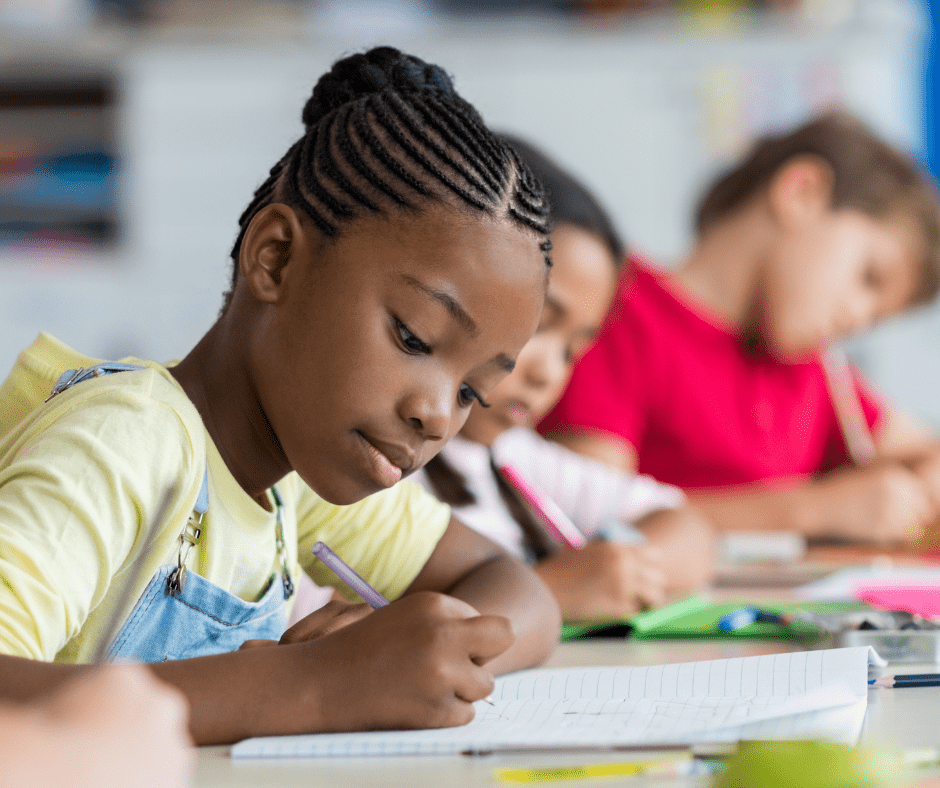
386 275
605 579
710 376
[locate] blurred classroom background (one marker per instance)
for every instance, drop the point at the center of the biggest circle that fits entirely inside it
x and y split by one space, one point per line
133 132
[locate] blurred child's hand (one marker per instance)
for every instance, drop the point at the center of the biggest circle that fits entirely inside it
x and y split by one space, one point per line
416 663
116 726
604 580
688 545
927 468
885 502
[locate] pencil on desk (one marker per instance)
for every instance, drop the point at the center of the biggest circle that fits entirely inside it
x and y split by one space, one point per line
858 440
907 680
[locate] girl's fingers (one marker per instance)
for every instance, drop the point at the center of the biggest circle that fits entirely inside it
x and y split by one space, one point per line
331 617
475 685
486 637
256 643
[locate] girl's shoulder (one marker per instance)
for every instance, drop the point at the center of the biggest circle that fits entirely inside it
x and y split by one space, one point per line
148 399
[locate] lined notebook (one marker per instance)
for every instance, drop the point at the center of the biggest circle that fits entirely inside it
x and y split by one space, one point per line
811 694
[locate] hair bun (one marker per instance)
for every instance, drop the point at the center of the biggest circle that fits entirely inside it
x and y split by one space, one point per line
362 74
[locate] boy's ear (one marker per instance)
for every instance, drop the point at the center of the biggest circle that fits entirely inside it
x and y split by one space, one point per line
801 189
266 251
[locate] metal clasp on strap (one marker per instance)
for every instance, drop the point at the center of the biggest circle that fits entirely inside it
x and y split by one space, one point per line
66 380
286 579
176 581
72 376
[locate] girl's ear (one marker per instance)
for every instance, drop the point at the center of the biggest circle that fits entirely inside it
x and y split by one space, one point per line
266 251
801 189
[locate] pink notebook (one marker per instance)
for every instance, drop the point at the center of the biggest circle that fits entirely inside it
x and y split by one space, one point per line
918 600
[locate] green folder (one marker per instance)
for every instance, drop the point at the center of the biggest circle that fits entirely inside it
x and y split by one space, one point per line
696 617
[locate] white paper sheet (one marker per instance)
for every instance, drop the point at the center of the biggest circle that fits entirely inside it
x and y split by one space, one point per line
841 585
812 694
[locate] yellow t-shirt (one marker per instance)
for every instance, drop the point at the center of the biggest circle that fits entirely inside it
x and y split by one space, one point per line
83 476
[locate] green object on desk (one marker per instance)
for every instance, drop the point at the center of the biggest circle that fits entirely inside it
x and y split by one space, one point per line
641 622
694 617
812 764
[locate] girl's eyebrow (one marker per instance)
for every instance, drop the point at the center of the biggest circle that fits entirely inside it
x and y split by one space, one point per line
459 314
447 301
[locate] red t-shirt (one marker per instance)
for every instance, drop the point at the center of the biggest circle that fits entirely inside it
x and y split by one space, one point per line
699 409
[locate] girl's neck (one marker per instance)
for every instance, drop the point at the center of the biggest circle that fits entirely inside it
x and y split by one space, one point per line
724 267
218 383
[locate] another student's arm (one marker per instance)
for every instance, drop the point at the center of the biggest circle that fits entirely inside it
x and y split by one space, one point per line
607 580
887 502
604 580
601 446
882 503
904 438
112 726
470 567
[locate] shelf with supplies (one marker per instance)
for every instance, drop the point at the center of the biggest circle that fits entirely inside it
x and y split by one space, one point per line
59 161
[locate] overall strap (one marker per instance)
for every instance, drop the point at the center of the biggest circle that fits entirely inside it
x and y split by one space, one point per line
72 376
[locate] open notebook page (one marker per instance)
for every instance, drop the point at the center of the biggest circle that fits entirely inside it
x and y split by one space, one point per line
811 694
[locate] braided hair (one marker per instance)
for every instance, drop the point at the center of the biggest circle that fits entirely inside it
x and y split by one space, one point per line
386 131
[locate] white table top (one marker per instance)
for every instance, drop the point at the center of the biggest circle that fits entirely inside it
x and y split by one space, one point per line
904 718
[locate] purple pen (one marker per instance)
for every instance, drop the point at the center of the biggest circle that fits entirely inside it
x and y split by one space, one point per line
348 575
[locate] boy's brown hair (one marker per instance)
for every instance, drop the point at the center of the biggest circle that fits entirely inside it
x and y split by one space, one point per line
868 175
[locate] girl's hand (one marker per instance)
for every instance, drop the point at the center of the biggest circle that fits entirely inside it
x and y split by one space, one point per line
884 502
334 615
116 726
604 580
417 663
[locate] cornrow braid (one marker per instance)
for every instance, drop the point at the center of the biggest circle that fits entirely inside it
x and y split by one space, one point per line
387 131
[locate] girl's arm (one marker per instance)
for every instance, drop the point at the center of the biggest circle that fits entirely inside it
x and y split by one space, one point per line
419 662
471 568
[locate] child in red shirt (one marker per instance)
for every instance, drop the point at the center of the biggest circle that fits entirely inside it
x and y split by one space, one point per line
710 376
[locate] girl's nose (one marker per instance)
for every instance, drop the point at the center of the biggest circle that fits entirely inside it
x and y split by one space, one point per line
428 412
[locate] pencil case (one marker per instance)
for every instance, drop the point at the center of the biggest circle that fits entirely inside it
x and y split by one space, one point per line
897 645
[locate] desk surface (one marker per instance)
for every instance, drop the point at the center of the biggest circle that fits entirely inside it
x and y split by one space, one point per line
895 717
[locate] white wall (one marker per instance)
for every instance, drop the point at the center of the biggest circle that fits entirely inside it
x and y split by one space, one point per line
645 115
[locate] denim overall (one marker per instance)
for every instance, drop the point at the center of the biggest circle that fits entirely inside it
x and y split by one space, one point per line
181 614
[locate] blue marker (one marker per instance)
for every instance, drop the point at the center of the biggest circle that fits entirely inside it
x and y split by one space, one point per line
737 619
751 615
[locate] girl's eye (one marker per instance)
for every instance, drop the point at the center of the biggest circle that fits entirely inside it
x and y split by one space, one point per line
467 395
411 342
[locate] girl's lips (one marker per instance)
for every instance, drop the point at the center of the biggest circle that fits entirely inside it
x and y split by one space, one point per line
384 471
